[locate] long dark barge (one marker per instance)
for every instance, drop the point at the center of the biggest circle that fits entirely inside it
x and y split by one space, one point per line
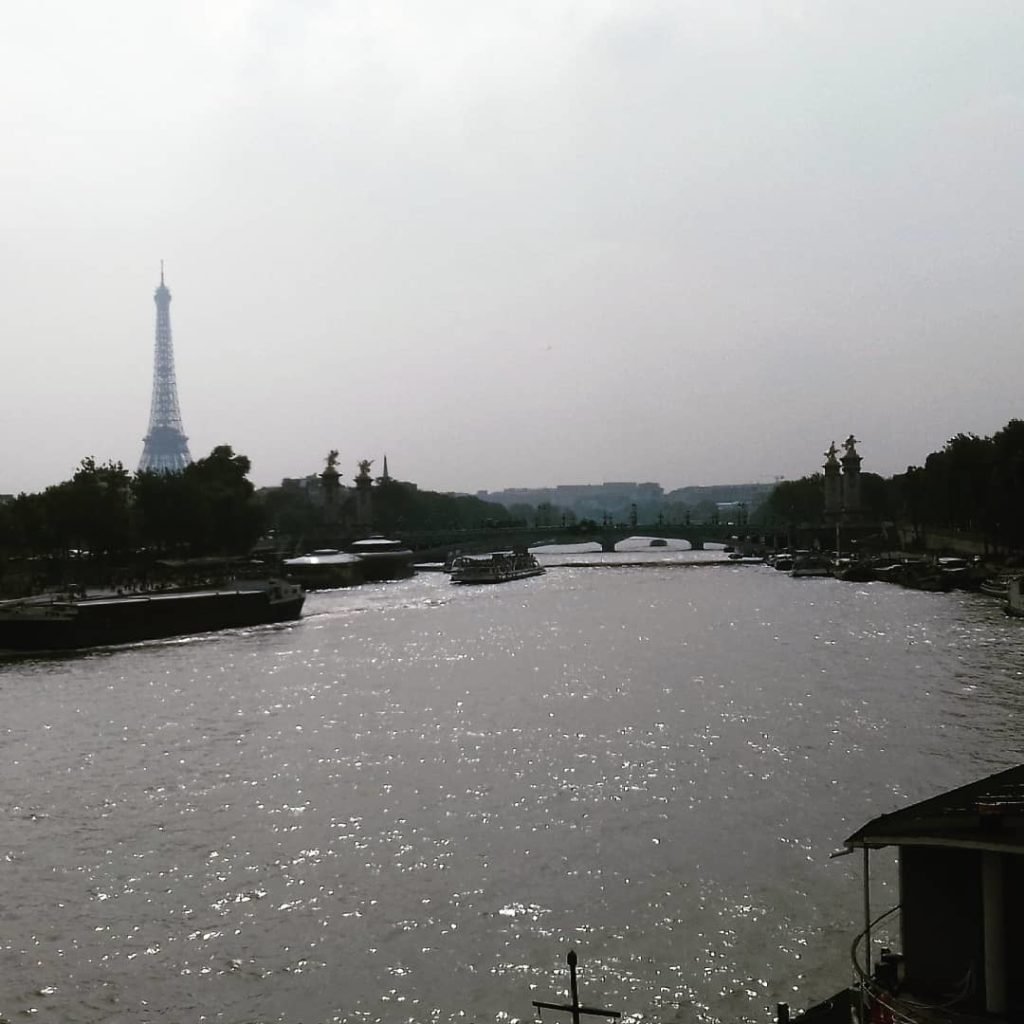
71 622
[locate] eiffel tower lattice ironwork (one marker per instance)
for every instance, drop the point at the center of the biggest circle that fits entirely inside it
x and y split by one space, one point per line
165 446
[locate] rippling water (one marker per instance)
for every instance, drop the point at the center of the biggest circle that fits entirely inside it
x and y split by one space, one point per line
409 805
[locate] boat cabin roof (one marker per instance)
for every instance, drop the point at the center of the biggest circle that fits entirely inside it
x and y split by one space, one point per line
983 815
375 544
324 556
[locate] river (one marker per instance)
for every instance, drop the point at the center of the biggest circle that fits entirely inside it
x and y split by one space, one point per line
412 803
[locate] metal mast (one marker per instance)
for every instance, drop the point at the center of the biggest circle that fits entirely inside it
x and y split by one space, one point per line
165 447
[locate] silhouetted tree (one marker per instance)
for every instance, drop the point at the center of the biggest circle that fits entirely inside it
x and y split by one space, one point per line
97 503
795 502
1008 485
225 517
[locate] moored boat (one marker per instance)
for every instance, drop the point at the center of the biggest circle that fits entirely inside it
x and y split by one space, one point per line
383 558
889 572
924 575
325 568
62 622
915 573
811 565
961 573
854 571
495 567
995 586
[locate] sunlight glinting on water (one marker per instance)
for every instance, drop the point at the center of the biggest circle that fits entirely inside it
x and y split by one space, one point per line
413 802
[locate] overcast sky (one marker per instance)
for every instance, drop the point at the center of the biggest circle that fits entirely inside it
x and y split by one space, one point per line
512 243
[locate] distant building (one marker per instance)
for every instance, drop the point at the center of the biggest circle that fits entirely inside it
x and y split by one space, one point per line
622 499
612 493
733 512
310 485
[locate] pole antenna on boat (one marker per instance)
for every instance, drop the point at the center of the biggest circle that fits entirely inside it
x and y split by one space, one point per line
574 1007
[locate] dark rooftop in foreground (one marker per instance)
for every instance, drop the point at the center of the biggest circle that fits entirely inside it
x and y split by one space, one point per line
986 815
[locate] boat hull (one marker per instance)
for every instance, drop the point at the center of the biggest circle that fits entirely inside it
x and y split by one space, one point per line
63 625
383 559
811 565
325 569
377 567
994 588
496 577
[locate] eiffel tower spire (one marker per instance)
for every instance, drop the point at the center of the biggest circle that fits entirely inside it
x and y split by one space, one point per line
165 446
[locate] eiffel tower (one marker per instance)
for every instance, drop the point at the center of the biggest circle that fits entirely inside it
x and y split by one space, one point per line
165 446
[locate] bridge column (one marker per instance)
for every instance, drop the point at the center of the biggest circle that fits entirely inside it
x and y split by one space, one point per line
608 545
696 545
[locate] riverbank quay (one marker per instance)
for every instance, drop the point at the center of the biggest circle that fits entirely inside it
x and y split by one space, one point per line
909 570
31 577
641 564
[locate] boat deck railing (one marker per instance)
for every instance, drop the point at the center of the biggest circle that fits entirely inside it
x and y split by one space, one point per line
862 972
873 995
880 1005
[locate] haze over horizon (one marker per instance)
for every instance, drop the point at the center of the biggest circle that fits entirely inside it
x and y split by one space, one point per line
512 244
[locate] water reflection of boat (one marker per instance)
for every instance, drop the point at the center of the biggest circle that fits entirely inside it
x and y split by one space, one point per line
495 567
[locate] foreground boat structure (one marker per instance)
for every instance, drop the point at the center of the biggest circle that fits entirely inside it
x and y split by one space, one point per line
960 912
1015 597
574 1006
63 622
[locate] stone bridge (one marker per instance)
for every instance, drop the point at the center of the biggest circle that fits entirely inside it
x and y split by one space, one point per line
491 538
